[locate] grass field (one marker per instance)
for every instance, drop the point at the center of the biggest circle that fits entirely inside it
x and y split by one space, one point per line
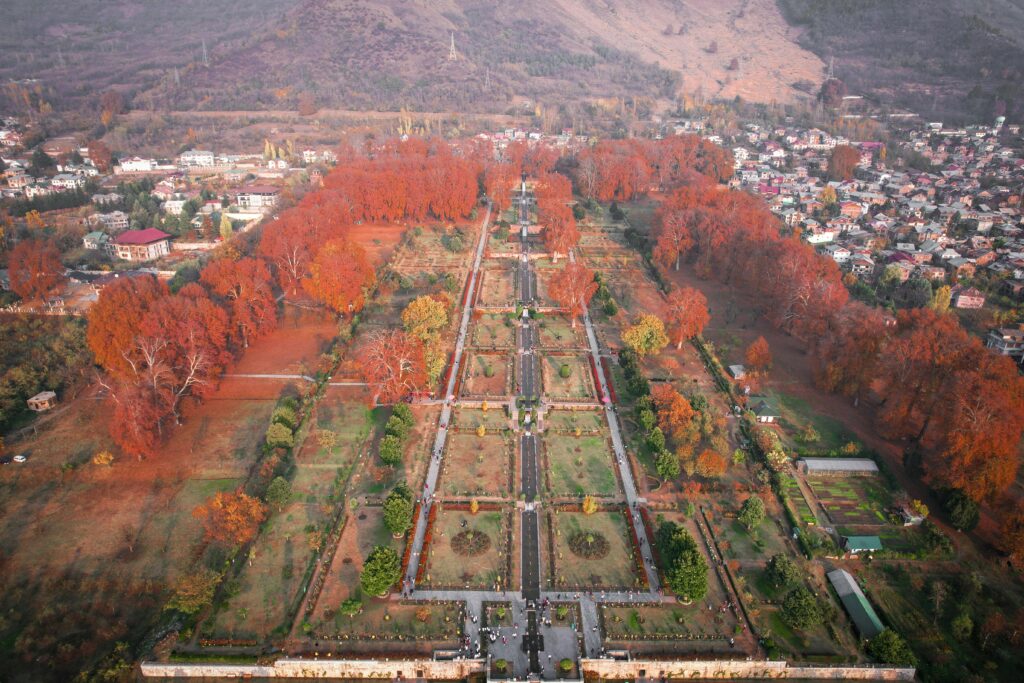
446 567
796 413
568 421
494 418
498 287
556 332
488 375
668 622
476 465
493 331
578 386
614 570
580 465
270 582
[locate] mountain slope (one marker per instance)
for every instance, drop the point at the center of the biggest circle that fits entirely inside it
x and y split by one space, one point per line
940 58
390 53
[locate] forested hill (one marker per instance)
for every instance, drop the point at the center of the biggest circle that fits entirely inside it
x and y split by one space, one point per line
944 59
385 54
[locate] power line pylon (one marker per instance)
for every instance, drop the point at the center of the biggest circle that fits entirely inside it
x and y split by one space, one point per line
452 54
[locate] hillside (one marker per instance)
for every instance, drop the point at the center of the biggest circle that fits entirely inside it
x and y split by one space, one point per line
385 54
947 59
77 49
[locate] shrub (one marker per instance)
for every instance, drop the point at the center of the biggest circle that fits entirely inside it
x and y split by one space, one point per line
391 450
962 511
280 436
782 571
801 610
279 493
589 505
404 413
752 513
398 511
285 415
396 427
194 591
103 458
564 371
351 607
889 647
381 571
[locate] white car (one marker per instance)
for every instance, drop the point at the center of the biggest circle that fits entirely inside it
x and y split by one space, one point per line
20 457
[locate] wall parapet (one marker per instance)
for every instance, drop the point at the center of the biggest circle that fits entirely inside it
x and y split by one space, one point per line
389 669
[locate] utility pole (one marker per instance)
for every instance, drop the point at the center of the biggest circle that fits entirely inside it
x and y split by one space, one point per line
206 57
452 54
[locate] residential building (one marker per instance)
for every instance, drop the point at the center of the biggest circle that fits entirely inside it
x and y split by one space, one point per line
142 245
257 197
1006 341
967 297
196 158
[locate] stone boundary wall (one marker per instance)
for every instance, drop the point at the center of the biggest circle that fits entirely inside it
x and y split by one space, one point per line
461 669
738 669
331 668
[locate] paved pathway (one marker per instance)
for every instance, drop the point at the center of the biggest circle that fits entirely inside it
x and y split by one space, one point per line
628 485
238 375
446 412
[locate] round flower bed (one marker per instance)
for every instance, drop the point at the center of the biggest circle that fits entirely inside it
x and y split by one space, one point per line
470 543
589 545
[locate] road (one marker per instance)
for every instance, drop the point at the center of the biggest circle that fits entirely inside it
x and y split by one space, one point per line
430 485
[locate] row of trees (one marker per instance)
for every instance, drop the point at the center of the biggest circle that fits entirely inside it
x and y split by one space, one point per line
158 348
554 196
941 388
626 169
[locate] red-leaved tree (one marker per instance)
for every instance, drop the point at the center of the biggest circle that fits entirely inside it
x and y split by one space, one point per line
392 363
686 313
572 288
35 269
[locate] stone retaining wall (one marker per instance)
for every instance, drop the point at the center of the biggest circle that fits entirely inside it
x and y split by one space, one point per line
307 668
737 669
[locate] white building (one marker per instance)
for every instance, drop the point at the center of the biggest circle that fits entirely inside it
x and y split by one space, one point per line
257 197
136 165
196 158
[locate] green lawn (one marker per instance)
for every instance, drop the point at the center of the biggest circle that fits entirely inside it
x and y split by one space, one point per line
579 466
796 413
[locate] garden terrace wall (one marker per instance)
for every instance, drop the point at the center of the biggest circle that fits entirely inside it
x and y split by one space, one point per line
383 669
736 670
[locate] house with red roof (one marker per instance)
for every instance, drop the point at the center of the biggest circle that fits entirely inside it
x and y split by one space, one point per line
142 245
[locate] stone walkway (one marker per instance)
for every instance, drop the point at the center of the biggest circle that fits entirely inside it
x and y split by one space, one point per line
628 485
430 486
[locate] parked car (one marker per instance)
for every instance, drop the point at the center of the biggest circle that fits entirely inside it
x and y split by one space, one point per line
20 457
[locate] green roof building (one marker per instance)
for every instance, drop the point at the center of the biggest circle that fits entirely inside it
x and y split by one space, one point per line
856 604
861 544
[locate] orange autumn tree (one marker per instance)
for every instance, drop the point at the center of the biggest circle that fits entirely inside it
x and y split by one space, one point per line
392 363
843 162
673 410
845 357
231 519
686 314
758 356
711 464
339 276
673 239
244 287
35 269
572 288
115 318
